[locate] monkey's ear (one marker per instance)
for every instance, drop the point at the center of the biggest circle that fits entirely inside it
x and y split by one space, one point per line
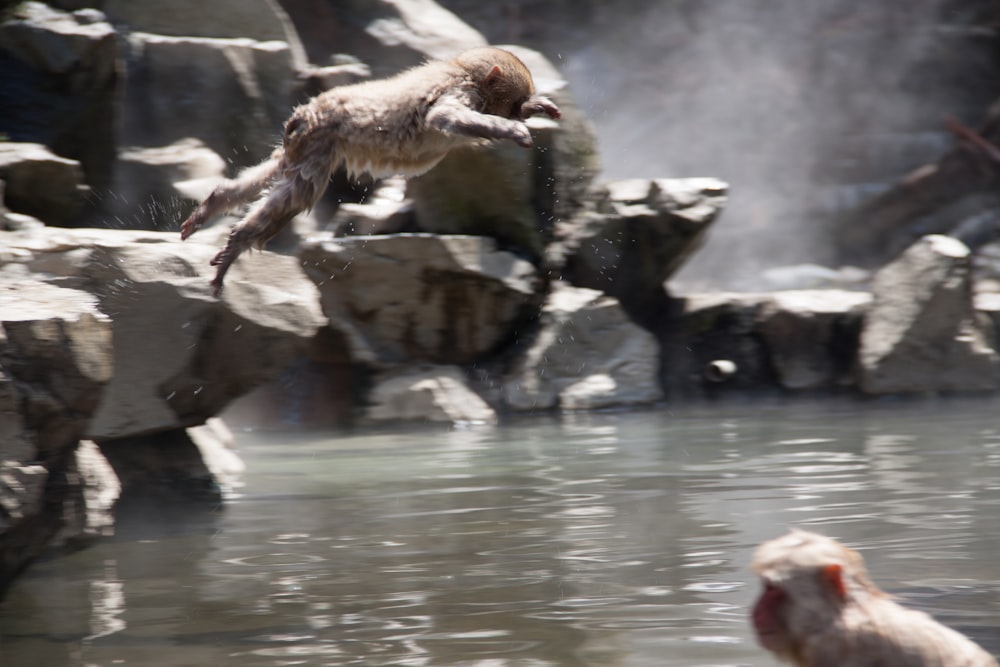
493 76
833 577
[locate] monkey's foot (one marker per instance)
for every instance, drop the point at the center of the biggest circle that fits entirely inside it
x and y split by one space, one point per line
222 261
217 286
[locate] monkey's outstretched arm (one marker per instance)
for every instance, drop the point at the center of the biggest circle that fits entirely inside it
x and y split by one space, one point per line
450 114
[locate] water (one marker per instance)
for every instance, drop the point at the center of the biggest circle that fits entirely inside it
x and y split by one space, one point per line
601 539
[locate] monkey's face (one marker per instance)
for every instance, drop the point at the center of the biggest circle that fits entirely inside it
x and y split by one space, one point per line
768 618
505 94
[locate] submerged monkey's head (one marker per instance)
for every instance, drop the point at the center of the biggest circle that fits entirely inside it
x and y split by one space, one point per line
505 83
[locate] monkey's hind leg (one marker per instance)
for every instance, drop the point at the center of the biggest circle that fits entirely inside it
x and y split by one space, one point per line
291 195
231 193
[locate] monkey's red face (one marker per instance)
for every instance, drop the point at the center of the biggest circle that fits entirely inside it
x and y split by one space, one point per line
769 618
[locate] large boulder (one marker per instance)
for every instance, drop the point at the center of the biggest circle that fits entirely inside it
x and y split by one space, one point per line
152 184
434 393
260 20
922 332
55 359
566 155
711 343
586 355
811 336
643 231
390 34
181 356
233 94
397 298
60 73
41 184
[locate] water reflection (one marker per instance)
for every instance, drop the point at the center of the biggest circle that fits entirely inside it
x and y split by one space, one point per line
607 539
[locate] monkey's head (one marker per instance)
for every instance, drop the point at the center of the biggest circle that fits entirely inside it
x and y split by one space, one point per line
505 84
804 576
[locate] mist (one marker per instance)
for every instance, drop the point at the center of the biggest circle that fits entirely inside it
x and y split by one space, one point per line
805 107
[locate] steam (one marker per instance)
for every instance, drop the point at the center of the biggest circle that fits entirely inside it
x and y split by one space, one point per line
804 106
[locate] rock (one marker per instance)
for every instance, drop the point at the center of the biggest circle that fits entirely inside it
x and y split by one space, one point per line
811 336
13 222
436 394
41 184
181 356
217 447
163 467
705 329
922 333
233 94
812 277
988 305
55 358
101 490
643 232
392 34
509 193
587 355
385 211
63 71
259 20
482 191
148 196
398 298
566 156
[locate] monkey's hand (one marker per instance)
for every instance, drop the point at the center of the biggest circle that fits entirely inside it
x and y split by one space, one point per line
194 221
538 105
522 136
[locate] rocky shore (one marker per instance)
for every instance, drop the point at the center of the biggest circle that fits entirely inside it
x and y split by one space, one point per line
502 282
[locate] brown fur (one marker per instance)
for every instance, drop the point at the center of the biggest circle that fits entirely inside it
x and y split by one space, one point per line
402 125
820 609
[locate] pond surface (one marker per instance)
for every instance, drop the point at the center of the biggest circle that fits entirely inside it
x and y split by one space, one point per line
600 539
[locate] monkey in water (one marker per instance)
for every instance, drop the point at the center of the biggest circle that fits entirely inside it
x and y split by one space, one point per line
819 609
402 125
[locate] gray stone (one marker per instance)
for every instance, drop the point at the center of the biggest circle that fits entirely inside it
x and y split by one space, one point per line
148 195
63 70
390 34
217 446
922 333
233 94
40 183
398 298
385 211
587 355
260 20
566 157
436 394
643 232
101 489
181 356
706 329
810 336
55 358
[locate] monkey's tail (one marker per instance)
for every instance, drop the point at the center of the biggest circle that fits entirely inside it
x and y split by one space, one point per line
231 193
